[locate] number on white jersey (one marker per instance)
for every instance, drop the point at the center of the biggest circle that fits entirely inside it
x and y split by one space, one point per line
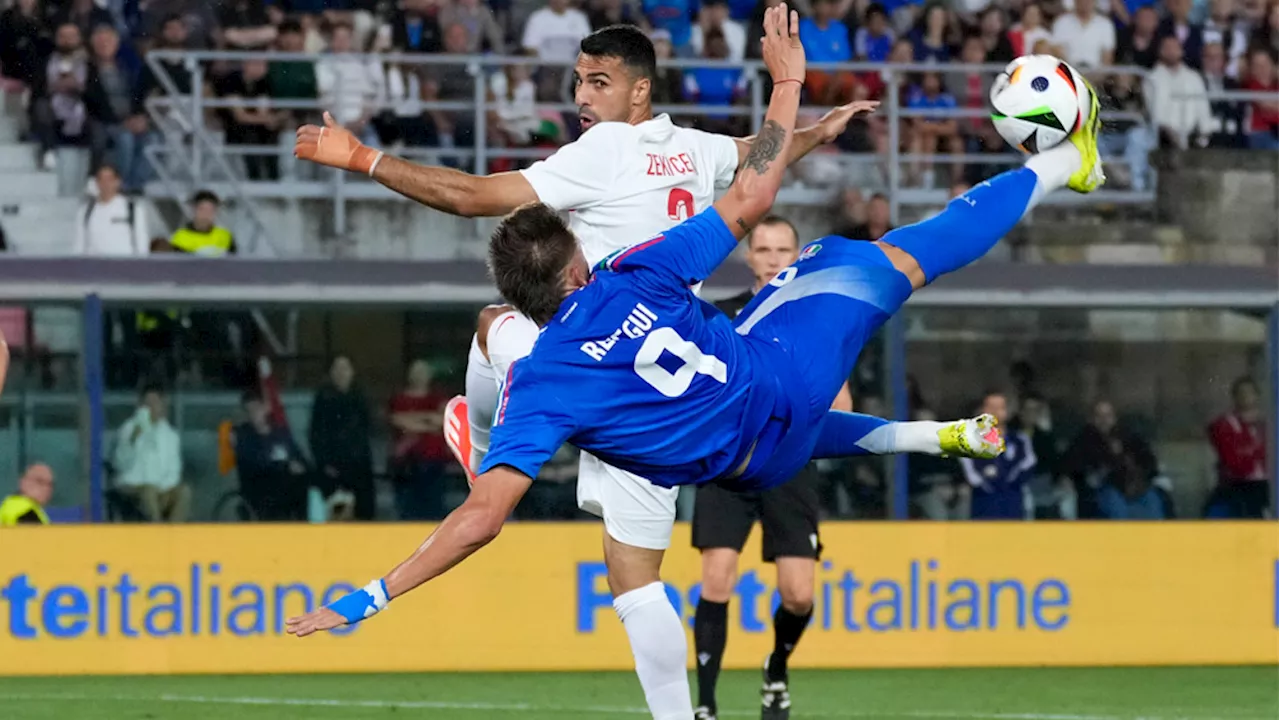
694 363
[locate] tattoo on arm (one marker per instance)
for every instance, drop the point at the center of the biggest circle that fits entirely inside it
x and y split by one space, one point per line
765 149
743 224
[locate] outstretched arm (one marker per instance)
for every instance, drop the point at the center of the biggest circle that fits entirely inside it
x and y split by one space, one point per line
806 140
757 183
467 529
444 189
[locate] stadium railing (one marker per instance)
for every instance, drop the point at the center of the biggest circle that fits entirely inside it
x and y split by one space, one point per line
191 155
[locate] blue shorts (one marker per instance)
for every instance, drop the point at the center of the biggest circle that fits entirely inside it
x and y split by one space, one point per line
810 324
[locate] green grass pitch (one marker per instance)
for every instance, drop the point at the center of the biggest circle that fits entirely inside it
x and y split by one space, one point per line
1005 694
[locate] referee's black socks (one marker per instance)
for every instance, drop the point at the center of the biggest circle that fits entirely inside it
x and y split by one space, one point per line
787 629
709 631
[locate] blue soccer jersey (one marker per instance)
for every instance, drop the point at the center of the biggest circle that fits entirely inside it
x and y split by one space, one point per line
638 371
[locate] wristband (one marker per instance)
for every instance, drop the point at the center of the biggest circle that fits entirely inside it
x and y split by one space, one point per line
374 165
363 603
787 80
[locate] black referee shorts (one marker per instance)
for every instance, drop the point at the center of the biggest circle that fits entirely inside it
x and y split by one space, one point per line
788 515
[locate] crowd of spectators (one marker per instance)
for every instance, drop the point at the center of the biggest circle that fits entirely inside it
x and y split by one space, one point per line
83 60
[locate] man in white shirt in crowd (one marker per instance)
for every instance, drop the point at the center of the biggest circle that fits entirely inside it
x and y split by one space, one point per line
1087 39
109 223
630 176
1176 98
715 14
148 461
352 87
552 33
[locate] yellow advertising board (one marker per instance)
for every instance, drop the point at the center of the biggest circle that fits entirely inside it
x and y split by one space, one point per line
213 599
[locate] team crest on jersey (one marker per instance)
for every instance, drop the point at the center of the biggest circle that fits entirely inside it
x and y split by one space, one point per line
810 250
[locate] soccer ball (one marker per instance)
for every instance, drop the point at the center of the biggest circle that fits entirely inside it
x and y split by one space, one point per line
1037 101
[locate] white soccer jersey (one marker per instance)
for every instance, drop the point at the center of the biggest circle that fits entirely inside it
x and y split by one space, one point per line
623 184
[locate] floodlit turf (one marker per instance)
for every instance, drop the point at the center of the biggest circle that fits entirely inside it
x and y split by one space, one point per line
1011 694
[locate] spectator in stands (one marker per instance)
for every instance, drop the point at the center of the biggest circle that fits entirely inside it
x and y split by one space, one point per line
1228 116
58 116
1087 39
1228 29
826 39
1139 43
415 28
245 25
716 85
351 86
200 23
668 86
877 223
931 134
552 33
148 460
1239 441
603 13
253 121
1131 139
1267 34
26 507
273 472
931 37
515 103
1132 491
1264 115
999 486
851 213
85 15
676 17
339 436
109 224
172 36
453 128
993 27
110 93
937 490
1052 494
418 454
292 79
203 236
1091 456
1177 23
874 40
1175 96
24 42
1029 30
483 31
715 15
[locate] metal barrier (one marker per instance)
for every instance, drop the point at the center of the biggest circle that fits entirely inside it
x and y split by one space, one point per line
201 159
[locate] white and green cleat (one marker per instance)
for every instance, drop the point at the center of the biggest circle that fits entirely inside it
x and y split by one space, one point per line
1090 176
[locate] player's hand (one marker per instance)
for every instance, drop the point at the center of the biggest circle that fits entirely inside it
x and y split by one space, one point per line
335 146
322 618
834 122
780 46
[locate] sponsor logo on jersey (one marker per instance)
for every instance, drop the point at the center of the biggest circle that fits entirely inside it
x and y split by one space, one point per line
638 323
668 165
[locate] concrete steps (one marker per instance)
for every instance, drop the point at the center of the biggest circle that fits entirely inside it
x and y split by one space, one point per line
39 226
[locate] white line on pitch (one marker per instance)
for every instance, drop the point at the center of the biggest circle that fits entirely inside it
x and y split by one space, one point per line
526 707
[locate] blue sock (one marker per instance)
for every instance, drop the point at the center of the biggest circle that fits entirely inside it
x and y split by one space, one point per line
970 225
841 432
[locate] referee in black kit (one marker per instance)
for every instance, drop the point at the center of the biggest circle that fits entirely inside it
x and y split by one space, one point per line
722 520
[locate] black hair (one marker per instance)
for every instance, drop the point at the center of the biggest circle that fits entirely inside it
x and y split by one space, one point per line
1243 382
205 196
250 395
627 43
876 9
290 26
777 220
149 388
528 253
106 166
172 18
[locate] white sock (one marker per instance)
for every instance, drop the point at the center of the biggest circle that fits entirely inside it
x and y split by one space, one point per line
660 648
1053 168
917 436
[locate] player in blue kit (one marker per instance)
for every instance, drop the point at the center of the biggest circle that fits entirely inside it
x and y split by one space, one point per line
634 368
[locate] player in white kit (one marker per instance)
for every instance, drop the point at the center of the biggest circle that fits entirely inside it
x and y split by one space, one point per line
630 176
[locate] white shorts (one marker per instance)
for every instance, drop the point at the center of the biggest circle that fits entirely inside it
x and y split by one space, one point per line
635 511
